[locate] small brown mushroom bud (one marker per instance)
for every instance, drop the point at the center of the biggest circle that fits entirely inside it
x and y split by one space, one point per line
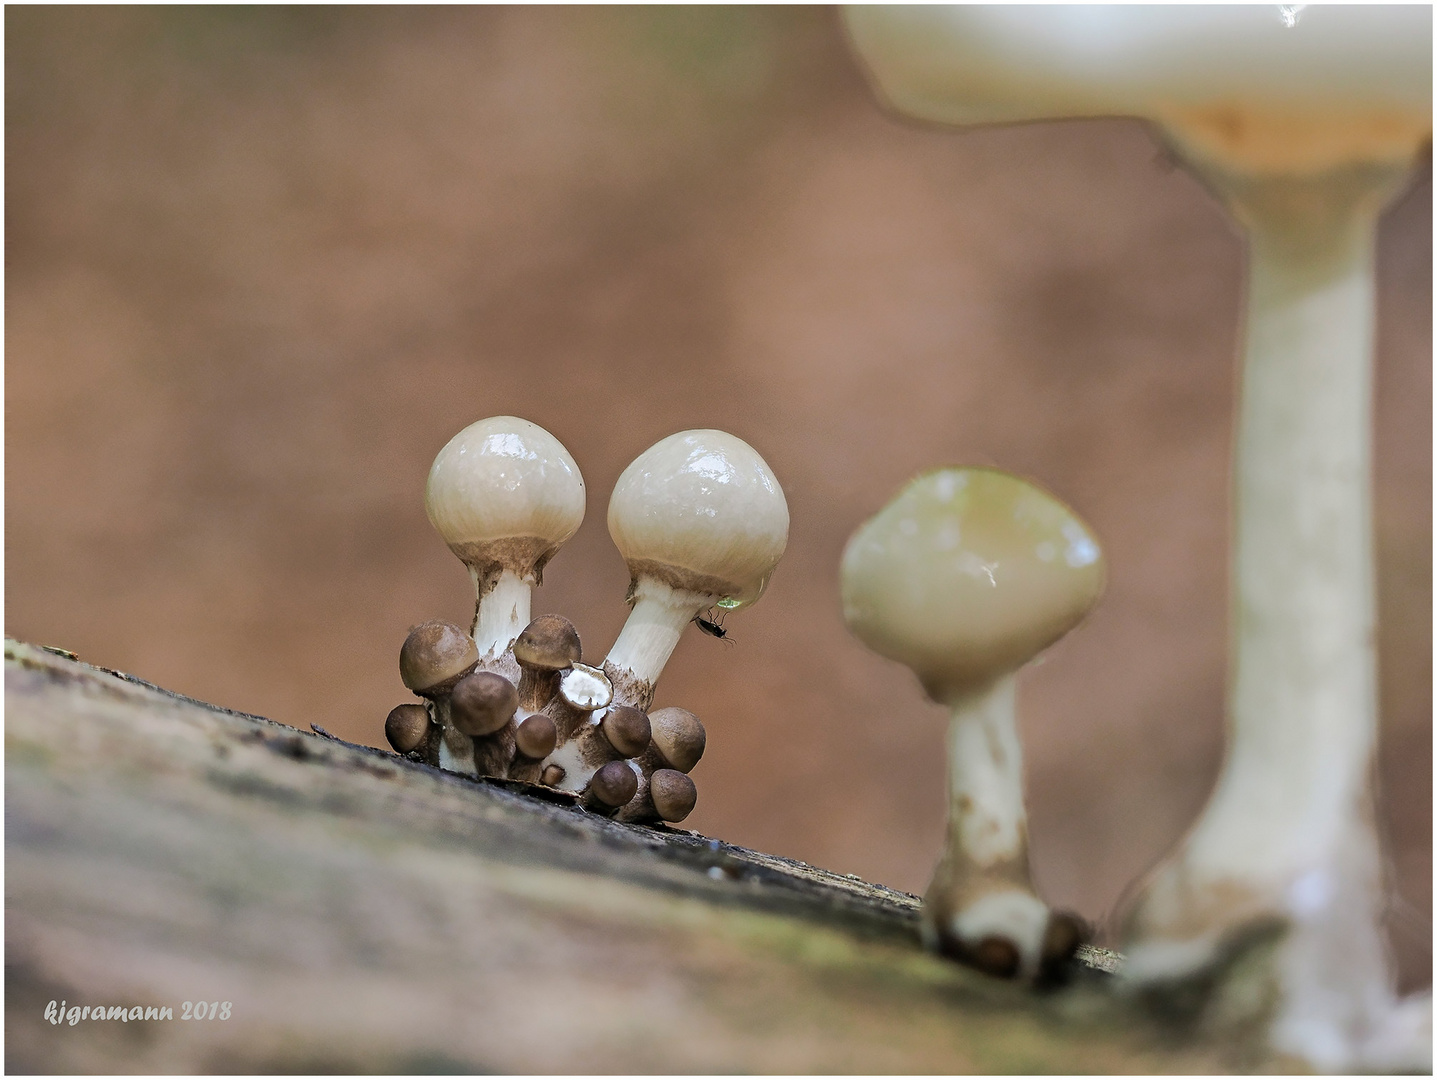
614 784
406 727
536 736
679 737
435 656
626 728
673 794
482 703
553 775
548 645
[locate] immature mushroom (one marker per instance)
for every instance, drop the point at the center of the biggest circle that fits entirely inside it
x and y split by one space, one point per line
434 657
406 727
548 646
701 522
964 577
482 706
677 744
505 495
1304 120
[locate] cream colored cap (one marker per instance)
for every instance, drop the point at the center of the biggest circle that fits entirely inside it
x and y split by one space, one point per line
505 491
1257 88
701 511
967 574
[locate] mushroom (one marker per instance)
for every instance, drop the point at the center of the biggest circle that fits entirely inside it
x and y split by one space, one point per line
505 495
676 745
407 727
964 577
482 706
1304 120
433 659
701 522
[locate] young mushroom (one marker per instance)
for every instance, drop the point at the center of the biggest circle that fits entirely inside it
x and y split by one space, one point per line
665 792
701 521
505 495
433 659
964 577
1304 120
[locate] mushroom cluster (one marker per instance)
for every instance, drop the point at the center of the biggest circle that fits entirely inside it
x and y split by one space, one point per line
701 521
1303 120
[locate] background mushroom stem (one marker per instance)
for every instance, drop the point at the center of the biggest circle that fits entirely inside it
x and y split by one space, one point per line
986 819
1291 818
501 612
650 634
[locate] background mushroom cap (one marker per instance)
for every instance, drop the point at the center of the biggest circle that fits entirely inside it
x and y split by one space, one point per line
701 510
1239 85
967 574
504 479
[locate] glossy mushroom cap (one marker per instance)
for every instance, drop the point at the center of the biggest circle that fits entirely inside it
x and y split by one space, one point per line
679 737
504 493
435 656
967 574
1244 86
702 512
549 643
482 703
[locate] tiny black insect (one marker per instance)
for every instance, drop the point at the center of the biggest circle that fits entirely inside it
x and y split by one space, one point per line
712 627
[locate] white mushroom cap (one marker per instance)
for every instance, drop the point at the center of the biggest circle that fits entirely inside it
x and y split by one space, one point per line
700 511
967 574
1240 85
505 494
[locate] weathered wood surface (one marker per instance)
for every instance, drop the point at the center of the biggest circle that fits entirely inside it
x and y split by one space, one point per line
365 914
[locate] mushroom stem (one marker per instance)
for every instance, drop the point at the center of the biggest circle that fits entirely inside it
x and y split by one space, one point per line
1288 834
980 906
643 647
986 819
500 613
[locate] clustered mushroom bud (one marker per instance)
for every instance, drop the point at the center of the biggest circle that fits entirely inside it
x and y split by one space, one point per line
1304 120
964 577
701 521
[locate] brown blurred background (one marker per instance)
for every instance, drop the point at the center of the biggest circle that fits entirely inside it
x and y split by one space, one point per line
262 263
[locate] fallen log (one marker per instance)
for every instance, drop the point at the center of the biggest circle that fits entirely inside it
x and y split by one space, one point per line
330 907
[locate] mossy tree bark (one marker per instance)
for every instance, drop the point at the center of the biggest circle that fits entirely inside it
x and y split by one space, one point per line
363 913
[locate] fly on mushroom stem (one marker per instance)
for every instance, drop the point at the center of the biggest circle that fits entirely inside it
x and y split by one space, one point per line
701 522
1304 126
964 577
505 495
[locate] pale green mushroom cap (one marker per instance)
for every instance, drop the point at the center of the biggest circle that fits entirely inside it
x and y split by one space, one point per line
701 511
967 575
1256 88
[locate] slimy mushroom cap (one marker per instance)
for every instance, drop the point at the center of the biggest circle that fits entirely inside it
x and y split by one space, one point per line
505 493
967 574
435 656
701 511
1243 86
